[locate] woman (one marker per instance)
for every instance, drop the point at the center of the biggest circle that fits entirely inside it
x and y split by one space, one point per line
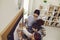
34 34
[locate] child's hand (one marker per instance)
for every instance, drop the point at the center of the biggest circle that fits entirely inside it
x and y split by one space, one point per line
32 37
20 24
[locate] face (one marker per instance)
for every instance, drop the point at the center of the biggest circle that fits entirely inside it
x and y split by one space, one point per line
35 16
35 30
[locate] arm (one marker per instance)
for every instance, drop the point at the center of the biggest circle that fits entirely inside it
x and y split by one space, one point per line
32 37
26 32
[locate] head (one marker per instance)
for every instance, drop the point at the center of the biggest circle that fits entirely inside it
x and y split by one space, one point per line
38 24
37 36
36 13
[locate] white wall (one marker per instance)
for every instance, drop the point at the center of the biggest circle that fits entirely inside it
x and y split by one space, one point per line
40 2
36 3
30 9
51 32
8 9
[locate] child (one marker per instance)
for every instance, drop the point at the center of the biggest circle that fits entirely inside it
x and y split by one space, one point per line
34 35
36 26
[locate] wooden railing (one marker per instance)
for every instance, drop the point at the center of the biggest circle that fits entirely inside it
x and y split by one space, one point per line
0 37
9 30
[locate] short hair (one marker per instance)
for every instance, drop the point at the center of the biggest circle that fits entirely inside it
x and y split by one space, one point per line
37 12
38 24
37 36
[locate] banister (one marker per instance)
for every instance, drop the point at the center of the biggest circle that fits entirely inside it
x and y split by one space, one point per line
12 25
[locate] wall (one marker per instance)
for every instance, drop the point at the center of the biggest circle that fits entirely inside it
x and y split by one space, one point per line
8 9
30 9
36 3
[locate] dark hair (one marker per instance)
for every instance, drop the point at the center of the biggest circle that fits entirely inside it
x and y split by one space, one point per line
37 36
37 25
40 22
37 12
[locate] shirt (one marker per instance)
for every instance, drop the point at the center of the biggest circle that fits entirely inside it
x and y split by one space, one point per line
30 20
25 31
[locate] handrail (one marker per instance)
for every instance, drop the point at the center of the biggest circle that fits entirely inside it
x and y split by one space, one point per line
0 37
10 26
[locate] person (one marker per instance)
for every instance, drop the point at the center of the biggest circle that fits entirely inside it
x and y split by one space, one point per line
31 18
38 29
35 35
